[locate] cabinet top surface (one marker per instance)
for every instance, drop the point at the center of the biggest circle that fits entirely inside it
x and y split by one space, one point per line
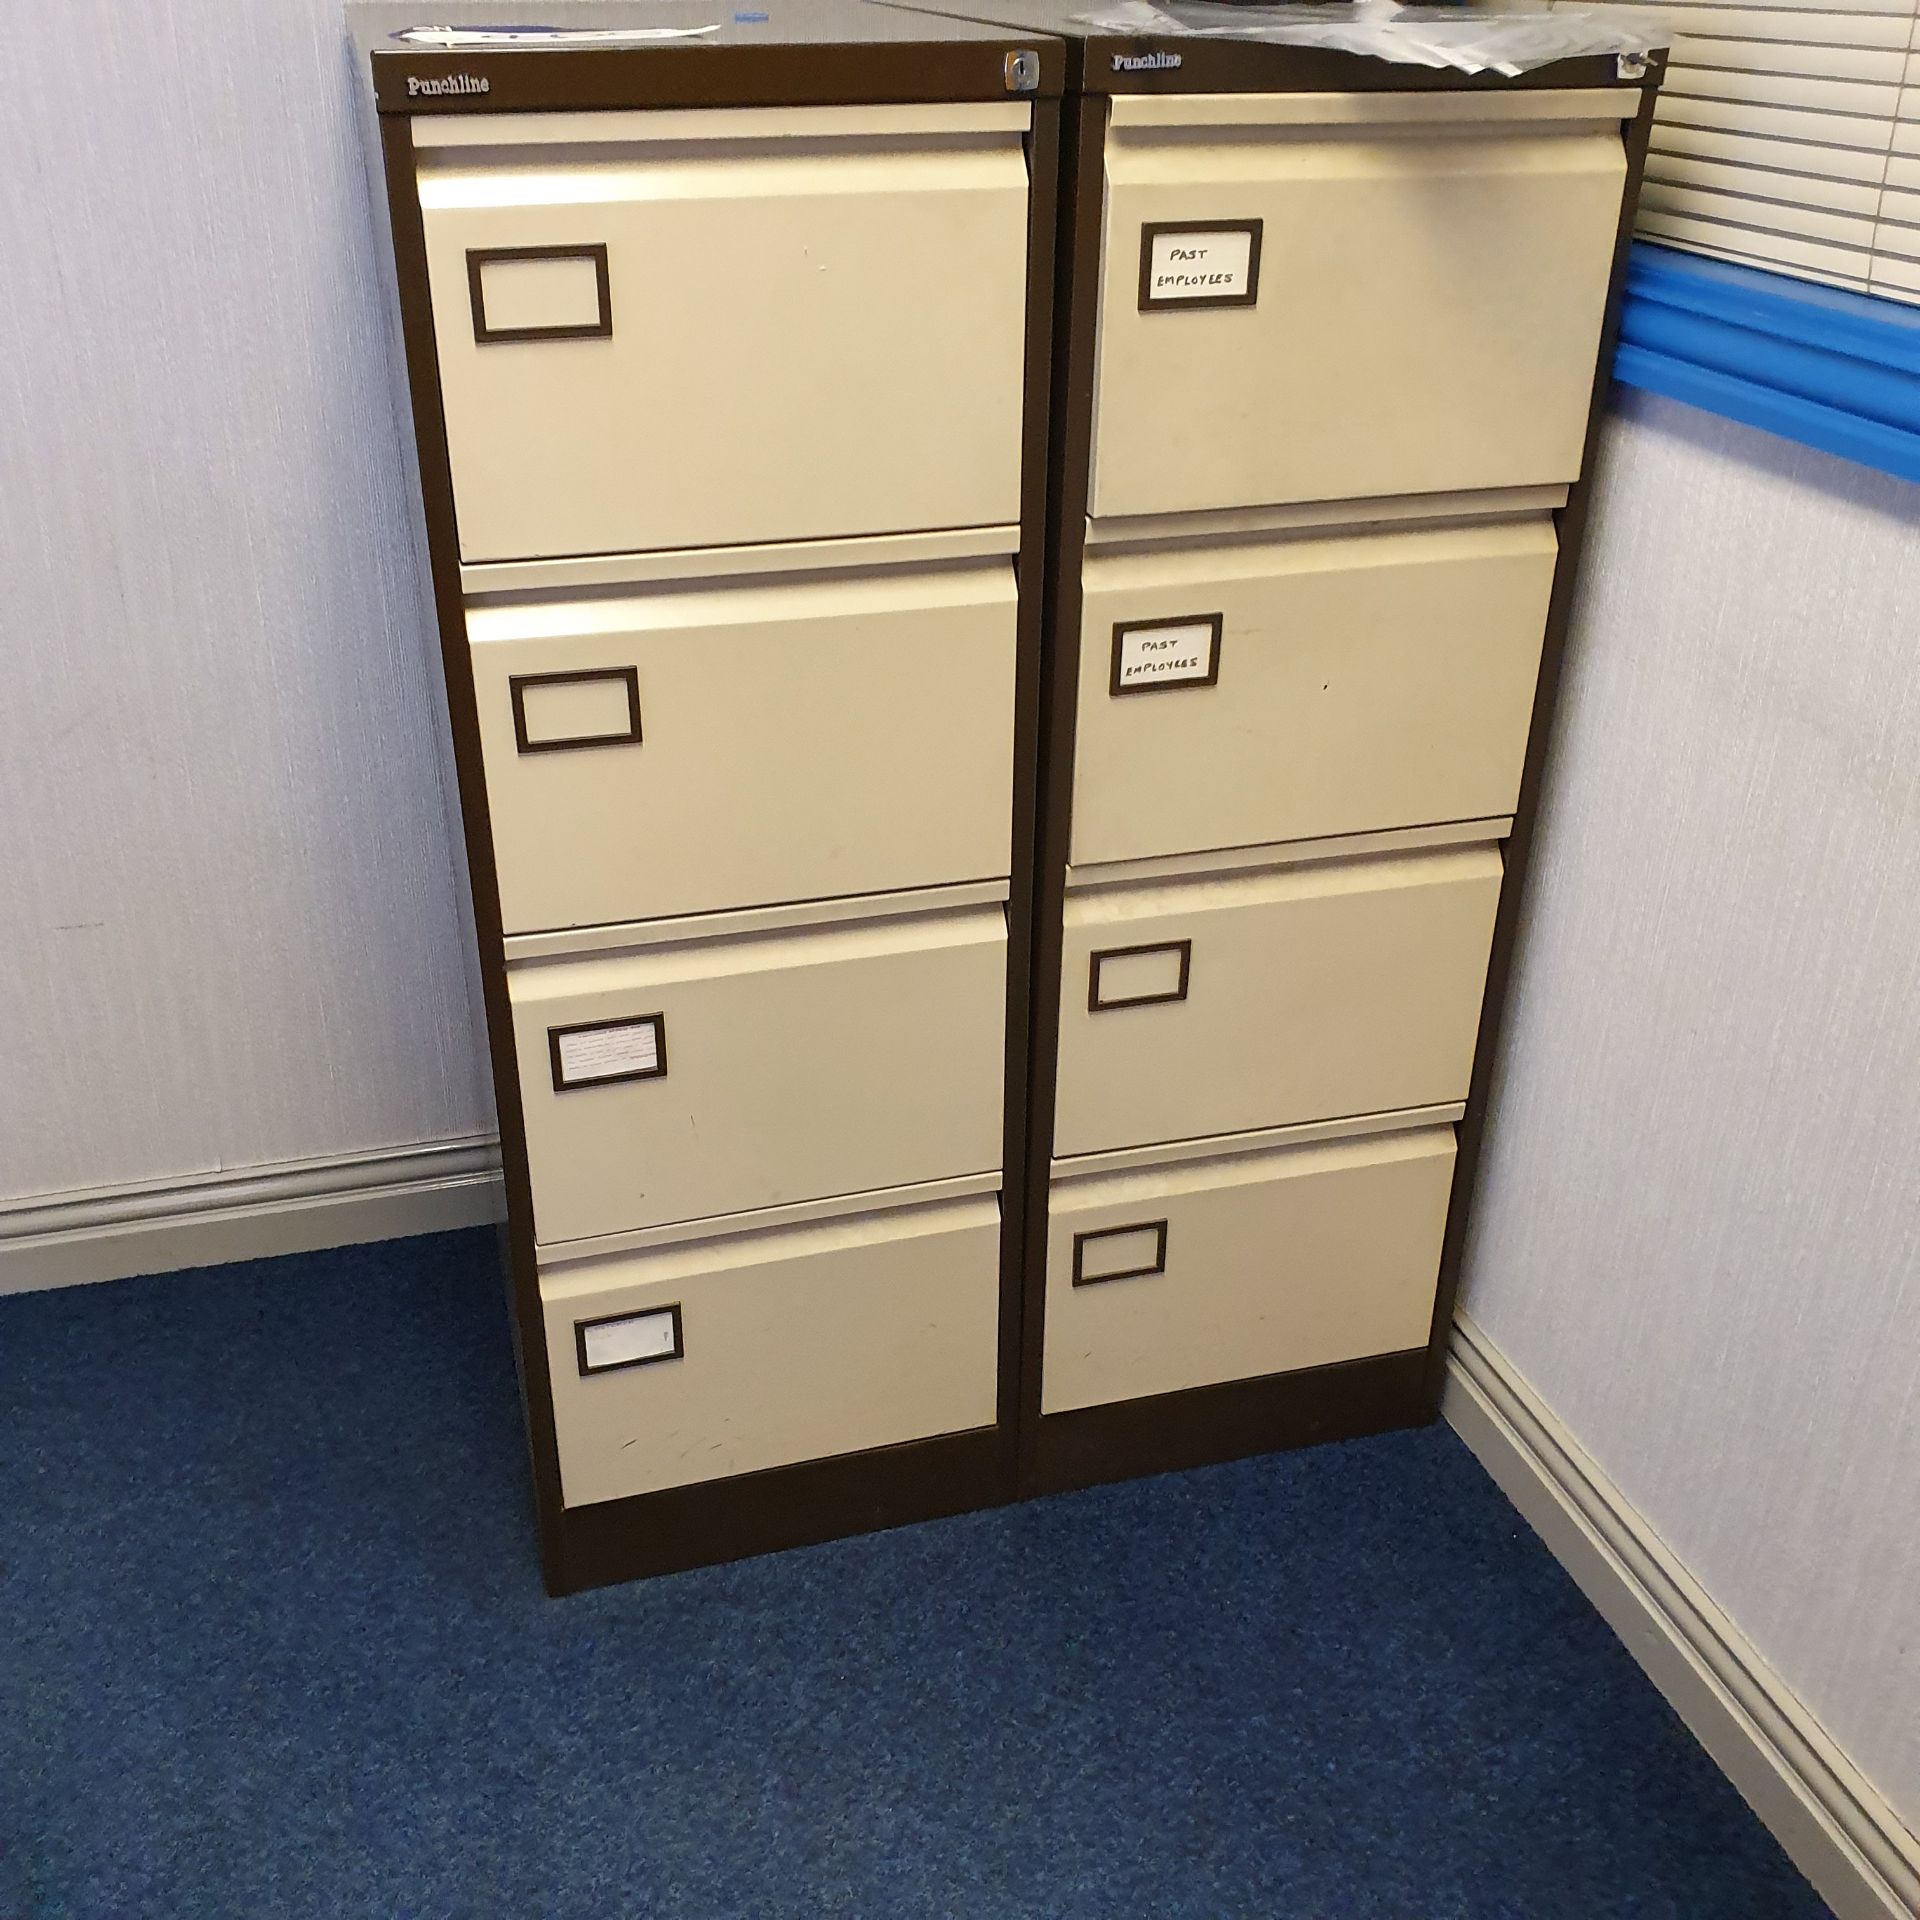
1222 46
404 25
507 55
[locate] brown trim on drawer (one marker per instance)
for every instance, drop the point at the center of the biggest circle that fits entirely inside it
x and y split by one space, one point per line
479 257
525 1313
1211 678
1251 66
1158 1228
582 1327
658 1071
1057 593
517 683
718 1520
1171 303
569 79
1101 62
1024 914
1205 1425
1184 948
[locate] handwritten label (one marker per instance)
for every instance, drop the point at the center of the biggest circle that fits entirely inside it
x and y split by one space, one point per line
1184 653
1216 266
628 1050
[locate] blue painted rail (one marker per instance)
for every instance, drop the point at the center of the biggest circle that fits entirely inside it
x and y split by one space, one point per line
1830 369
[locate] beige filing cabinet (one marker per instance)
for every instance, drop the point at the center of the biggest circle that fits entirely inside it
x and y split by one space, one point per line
1326 370
727 358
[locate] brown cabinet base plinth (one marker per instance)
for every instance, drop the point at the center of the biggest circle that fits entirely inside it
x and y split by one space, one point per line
1207 1425
821 1500
800 1506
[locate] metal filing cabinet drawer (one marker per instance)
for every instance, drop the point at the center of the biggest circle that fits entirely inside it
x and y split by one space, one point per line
1325 296
728 1356
732 743
682 1081
1212 1006
707 327
1184 1276
1235 694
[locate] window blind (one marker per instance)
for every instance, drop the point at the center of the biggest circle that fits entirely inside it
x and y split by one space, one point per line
1789 137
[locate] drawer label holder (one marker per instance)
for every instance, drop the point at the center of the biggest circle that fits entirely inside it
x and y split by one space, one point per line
617 1341
1120 1259
627 679
1192 265
1161 656
1158 984
599 1053
598 328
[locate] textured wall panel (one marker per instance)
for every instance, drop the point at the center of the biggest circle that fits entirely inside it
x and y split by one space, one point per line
229 932
1700 1230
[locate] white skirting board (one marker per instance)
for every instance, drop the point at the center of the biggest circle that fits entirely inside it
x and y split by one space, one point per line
1832 1822
249 1213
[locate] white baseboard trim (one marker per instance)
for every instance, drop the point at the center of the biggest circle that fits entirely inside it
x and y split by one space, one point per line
1835 1826
161 1226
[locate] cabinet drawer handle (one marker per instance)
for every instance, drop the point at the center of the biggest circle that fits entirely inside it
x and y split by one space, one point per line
599 1053
1158 973
1122 1256
625 734
600 327
619 1340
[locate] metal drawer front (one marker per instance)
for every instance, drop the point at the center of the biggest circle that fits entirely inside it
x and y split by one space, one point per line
703 328
1304 993
1425 302
783 1067
793 738
1268 1262
772 1348
1359 682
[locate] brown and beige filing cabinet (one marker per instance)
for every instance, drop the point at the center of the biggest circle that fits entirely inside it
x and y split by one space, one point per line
1325 385
727 337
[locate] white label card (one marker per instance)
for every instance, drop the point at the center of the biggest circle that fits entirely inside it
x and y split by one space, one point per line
1139 976
1186 654
609 1053
560 292
626 1343
1219 265
1120 1253
577 712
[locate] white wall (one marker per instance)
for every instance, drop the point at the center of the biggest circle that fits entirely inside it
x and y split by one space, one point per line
1700 1229
228 927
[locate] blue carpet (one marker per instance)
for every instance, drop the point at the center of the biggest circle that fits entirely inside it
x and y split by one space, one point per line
272 1642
